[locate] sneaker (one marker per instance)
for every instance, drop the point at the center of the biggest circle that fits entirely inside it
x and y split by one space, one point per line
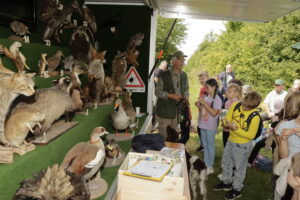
210 170
199 149
222 186
232 194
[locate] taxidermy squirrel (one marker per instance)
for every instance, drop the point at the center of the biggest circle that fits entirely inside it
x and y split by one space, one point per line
12 86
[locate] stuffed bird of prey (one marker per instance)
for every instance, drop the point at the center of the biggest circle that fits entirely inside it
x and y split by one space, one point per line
54 61
48 9
89 19
85 158
119 67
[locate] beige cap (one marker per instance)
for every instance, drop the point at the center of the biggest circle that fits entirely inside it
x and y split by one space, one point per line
247 89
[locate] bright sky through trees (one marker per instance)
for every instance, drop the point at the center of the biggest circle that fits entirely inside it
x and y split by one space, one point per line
197 29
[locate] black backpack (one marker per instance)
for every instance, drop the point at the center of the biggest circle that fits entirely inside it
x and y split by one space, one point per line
250 117
143 142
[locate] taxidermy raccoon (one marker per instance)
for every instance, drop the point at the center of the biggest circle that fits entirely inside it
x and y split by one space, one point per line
19 123
52 102
96 75
12 86
80 45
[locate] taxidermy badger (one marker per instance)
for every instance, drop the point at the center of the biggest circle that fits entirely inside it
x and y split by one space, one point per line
53 103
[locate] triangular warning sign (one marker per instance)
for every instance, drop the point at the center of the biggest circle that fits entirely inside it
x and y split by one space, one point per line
133 80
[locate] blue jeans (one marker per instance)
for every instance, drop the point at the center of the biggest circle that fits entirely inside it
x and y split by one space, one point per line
235 156
208 140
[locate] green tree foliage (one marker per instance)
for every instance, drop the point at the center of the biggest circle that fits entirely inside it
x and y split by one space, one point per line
176 38
260 52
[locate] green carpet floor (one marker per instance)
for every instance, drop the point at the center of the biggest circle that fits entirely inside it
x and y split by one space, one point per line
43 156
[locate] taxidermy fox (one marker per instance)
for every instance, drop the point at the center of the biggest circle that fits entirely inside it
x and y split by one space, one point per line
19 123
11 86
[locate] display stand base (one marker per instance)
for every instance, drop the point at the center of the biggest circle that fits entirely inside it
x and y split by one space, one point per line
109 161
56 130
120 137
98 186
23 149
6 155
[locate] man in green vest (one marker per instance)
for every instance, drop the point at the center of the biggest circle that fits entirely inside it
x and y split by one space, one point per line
172 87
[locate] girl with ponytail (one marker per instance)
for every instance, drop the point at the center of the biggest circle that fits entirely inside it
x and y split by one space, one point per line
210 107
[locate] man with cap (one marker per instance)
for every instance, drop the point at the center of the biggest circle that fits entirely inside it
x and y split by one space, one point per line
171 89
274 101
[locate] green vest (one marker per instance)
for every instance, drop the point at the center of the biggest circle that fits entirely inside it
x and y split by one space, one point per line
166 108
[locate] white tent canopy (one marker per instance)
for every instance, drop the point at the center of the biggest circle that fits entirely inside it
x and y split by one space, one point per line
231 10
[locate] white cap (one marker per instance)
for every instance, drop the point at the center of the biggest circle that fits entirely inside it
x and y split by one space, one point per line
247 89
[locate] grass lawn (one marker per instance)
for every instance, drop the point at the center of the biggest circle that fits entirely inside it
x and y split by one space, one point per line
257 185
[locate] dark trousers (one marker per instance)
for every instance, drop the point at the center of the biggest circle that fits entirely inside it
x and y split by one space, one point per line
199 135
185 131
225 137
257 148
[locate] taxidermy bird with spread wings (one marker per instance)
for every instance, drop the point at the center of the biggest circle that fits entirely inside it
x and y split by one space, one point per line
131 53
53 183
